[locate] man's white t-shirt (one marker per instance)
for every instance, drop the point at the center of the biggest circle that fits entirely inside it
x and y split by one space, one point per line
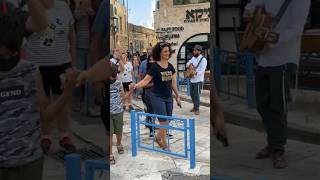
201 69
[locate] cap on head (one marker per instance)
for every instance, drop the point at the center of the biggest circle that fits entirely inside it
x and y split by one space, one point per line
198 47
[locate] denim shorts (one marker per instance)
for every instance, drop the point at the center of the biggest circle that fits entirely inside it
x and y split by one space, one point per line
162 106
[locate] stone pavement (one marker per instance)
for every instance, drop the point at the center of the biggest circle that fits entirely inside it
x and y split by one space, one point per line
147 165
53 166
303 115
151 165
238 161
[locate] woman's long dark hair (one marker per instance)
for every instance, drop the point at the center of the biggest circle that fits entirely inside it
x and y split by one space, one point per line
12 23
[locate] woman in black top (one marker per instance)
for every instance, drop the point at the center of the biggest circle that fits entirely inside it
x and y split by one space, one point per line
164 78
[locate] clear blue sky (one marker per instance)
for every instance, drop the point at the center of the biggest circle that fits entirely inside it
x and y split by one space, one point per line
141 12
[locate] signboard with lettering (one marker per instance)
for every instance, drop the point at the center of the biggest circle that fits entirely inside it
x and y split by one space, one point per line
197 15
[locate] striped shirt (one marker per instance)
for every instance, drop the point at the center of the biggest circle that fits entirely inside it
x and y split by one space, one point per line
116 105
52 47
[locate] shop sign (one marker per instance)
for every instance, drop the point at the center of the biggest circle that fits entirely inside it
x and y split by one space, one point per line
197 15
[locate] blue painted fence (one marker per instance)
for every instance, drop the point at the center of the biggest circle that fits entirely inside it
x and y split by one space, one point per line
73 167
184 81
227 63
188 128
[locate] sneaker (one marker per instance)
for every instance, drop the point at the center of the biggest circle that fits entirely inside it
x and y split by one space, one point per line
45 145
131 107
93 113
197 112
151 133
170 136
279 160
66 143
264 153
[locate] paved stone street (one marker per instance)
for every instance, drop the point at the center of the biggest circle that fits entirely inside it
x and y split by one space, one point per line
151 165
89 133
238 161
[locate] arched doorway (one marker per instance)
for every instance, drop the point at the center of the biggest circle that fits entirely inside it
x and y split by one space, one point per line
185 52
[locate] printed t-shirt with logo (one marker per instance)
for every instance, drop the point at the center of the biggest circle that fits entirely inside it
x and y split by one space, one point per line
162 80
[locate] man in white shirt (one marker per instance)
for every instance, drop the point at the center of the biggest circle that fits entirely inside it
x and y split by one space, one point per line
272 74
116 59
199 62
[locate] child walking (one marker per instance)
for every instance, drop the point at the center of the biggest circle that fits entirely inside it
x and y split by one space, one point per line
117 96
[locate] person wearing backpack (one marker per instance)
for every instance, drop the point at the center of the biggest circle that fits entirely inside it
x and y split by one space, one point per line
273 69
199 64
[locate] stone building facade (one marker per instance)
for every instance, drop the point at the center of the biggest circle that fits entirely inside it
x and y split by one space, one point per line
183 23
141 38
118 29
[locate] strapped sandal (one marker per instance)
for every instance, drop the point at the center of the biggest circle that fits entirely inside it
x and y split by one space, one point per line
120 149
161 145
158 142
112 160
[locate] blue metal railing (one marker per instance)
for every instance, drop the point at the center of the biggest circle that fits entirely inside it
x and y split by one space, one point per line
188 125
73 167
236 178
184 81
226 64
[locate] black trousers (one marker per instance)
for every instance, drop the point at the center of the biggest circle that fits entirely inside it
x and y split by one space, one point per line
272 92
146 98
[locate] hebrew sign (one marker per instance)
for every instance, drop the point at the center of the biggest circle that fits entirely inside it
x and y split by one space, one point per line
197 15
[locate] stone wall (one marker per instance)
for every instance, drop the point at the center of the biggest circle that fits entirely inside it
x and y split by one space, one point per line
186 20
141 38
121 36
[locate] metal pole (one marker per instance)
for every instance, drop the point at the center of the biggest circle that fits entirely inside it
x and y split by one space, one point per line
93 165
73 166
133 133
192 144
114 39
128 24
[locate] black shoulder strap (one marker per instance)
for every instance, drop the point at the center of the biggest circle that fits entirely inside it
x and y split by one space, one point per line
281 12
199 62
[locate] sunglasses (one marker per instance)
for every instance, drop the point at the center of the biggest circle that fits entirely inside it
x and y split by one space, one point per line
163 44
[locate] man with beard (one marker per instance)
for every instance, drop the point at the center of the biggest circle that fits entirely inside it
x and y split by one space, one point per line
199 62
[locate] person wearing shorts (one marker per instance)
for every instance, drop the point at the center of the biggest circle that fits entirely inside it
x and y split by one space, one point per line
116 111
164 78
126 78
53 50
